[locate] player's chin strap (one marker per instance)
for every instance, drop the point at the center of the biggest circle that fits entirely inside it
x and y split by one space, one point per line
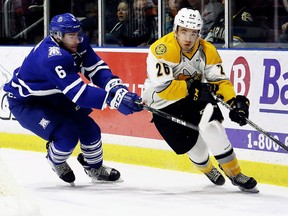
207 113
255 126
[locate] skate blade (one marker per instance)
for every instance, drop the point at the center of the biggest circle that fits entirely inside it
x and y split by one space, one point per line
252 190
96 181
72 184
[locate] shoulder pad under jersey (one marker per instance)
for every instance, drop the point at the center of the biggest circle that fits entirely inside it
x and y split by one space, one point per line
167 48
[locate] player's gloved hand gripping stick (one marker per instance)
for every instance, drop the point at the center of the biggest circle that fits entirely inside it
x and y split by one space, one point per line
120 98
244 120
199 91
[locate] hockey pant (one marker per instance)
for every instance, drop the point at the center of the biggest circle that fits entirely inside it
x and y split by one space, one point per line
59 121
181 138
185 140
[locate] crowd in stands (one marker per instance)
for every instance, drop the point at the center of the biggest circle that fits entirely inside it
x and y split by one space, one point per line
134 23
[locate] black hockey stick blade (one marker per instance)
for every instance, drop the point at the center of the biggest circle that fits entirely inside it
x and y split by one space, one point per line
255 126
168 116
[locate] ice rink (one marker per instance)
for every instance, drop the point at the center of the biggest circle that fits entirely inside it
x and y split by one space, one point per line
144 192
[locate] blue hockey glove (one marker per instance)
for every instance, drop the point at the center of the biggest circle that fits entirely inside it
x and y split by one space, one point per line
240 109
114 82
122 100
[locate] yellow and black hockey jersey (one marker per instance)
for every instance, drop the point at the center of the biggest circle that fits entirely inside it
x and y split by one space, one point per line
168 68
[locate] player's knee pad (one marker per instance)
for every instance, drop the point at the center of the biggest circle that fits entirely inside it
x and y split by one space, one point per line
199 152
89 132
216 138
65 137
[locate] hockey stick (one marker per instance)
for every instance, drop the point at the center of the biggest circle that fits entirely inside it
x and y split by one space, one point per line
208 111
255 126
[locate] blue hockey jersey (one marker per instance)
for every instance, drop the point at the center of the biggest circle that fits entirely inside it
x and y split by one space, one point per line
50 69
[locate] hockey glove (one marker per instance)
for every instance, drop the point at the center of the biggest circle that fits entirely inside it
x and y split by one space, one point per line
240 109
201 91
194 88
114 82
122 100
206 90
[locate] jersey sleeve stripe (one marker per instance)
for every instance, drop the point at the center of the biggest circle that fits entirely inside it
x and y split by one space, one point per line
91 68
72 85
23 87
79 93
97 69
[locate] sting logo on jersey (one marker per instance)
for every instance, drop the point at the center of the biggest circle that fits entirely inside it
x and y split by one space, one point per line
54 51
160 49
186 75
44 123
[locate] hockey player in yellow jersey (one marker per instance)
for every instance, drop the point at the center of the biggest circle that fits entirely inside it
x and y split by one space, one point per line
182 72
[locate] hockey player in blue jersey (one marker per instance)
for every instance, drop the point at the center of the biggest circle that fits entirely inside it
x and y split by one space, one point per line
48 97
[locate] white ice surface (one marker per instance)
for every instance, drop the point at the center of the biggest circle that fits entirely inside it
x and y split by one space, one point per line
145 191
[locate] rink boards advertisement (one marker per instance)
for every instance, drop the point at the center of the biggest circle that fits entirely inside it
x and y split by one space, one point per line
259 75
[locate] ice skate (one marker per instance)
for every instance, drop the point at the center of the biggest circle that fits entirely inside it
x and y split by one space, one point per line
215 177
102 174
245 183
63 171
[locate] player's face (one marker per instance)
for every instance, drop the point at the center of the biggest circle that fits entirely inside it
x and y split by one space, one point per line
71 41
186 38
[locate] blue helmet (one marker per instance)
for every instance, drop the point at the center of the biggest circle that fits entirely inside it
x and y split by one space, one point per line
64 23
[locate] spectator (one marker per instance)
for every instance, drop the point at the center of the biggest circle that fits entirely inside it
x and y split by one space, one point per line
195 4
244 29
144 23
209 9
210 13
283 38
283 20
110 7
89 25
134 29
121 31
36 5
24 28
173 7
